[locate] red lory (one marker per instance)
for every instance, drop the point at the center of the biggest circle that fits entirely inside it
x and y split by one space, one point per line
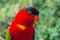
22 28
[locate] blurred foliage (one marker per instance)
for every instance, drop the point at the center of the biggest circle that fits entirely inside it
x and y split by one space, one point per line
49 26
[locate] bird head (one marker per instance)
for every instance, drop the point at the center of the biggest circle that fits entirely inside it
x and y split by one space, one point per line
27 16
35 12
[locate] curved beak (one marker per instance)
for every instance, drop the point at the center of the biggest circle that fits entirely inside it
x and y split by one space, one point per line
36 19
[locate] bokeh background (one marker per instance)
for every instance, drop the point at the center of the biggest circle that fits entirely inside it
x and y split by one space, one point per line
49 13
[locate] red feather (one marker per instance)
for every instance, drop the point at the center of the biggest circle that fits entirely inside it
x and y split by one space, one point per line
26 19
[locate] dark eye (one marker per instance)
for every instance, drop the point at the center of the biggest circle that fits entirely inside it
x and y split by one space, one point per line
29 12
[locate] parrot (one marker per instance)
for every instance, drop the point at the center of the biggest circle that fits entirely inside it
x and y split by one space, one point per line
22 27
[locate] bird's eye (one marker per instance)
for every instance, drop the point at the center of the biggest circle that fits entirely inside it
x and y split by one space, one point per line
29 12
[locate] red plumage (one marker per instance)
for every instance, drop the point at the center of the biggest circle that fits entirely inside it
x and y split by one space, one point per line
26 19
